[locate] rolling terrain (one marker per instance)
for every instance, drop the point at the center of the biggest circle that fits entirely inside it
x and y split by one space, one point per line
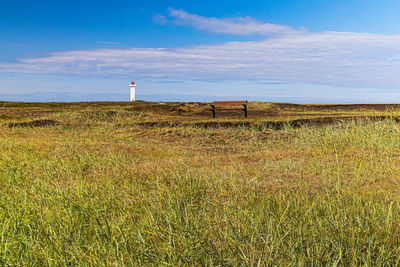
151 183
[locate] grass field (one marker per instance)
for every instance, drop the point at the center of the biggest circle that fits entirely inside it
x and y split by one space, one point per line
164 184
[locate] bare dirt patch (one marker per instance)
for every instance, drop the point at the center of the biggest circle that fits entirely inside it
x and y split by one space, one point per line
276 125
34 123
336 107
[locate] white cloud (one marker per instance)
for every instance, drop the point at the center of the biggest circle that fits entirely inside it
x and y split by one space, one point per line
236 26
328 58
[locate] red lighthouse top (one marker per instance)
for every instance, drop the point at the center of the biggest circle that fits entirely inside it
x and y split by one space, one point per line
133 83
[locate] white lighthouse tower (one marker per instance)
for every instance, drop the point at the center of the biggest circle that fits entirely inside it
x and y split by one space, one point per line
132 86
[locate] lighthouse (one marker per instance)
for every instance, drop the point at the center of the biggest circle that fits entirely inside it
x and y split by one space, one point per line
132 86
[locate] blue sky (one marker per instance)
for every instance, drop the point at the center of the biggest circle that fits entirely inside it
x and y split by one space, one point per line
305 51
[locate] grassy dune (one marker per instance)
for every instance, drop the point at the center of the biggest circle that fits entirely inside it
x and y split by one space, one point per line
164 184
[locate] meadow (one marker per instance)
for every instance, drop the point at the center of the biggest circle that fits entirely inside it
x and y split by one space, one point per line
121 184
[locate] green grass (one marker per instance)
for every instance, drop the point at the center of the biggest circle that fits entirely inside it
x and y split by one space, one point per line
99 189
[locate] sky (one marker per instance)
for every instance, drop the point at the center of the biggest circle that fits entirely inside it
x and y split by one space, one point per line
307 51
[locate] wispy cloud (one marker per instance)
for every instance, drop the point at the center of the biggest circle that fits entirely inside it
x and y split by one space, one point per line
329 58
236 26
160 19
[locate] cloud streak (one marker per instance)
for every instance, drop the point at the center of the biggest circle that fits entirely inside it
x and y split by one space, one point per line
328 58
235 26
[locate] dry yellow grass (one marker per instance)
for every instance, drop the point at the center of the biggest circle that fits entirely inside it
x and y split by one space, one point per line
163 183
